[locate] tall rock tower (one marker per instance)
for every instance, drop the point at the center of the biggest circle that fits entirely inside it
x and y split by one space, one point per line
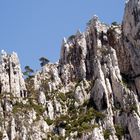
11 77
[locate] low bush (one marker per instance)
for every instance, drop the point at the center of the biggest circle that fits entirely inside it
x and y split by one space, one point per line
62 96
107 133
49 121
119 131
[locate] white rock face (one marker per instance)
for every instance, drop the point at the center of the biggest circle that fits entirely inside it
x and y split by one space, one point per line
97 134
42 98
49 77
5 136
131 28
58 107
81 94
23 133
50 110
11 77
13 131
93 92
131 24
134 126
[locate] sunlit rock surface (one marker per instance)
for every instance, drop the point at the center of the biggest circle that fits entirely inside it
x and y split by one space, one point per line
91 93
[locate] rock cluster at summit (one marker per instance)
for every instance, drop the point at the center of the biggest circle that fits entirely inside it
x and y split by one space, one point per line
92 93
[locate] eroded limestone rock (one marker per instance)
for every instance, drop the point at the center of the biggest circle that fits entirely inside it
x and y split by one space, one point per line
93 92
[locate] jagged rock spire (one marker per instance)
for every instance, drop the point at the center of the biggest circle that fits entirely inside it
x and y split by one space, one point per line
64 41
92 93
11 77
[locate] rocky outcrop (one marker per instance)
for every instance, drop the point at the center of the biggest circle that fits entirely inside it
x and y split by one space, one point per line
131 28
92 93
11 77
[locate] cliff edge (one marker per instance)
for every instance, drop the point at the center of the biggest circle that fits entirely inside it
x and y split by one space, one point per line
92 93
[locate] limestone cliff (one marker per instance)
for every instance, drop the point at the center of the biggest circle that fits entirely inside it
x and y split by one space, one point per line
92 93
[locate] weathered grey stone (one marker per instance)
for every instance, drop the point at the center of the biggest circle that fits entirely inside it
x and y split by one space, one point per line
11 77
98 70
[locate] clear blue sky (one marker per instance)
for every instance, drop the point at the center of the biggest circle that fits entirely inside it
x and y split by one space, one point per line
35 28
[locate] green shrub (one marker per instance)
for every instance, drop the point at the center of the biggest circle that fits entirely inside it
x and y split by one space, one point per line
107 133
68 127
71 37
49 121
43 61
119 131
61 119
28 72
62 97
85 126
70 95
133 107
115 23
17 107
92 112
99 115
38 108
85 103
85 118
72 108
